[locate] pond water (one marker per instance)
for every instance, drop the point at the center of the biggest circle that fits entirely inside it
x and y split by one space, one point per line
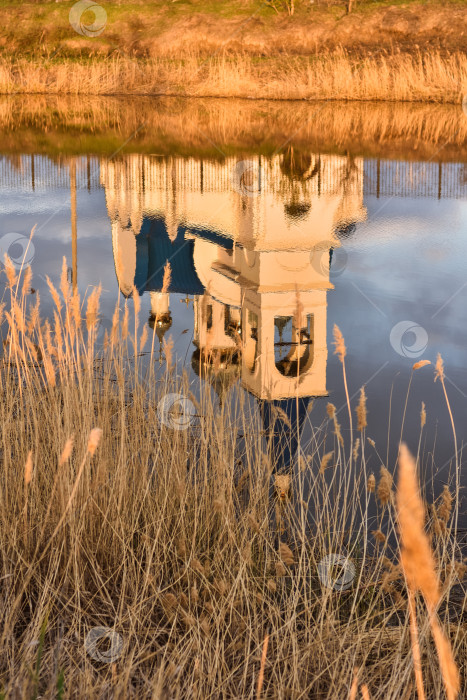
268 251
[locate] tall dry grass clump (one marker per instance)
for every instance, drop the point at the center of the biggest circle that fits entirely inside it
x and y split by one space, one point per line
336 75
202 574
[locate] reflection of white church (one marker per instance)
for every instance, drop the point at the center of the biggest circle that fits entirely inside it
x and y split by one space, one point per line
255 257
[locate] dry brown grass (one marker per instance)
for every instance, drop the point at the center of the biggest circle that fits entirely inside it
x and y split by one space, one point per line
432 77
162 28
169 536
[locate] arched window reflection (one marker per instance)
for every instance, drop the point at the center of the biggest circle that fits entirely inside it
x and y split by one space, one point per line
293 344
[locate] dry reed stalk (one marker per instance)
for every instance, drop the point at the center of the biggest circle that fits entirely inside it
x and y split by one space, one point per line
417 659
365 692
75 312
34 317
331 411
262 667
448 666
143 338
125 323
54 294
27 480
115 326
439 374
49 370
28 470
93 442
354 687
419 566
137 309
64 457
341 351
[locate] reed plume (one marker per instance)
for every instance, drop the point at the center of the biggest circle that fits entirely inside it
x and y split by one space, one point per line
167 277
439 368
361 410
282 484
28 469
286 554
325 460
420 364
341 352
419 567
94 439
339 343
445 507
27 281
422 416
331 411
384 492
10 272
92 310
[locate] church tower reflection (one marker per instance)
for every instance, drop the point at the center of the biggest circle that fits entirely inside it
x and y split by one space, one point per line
257 266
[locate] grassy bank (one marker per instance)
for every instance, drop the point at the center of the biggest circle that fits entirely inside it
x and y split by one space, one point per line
161 28
245 48
335 76
183 544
